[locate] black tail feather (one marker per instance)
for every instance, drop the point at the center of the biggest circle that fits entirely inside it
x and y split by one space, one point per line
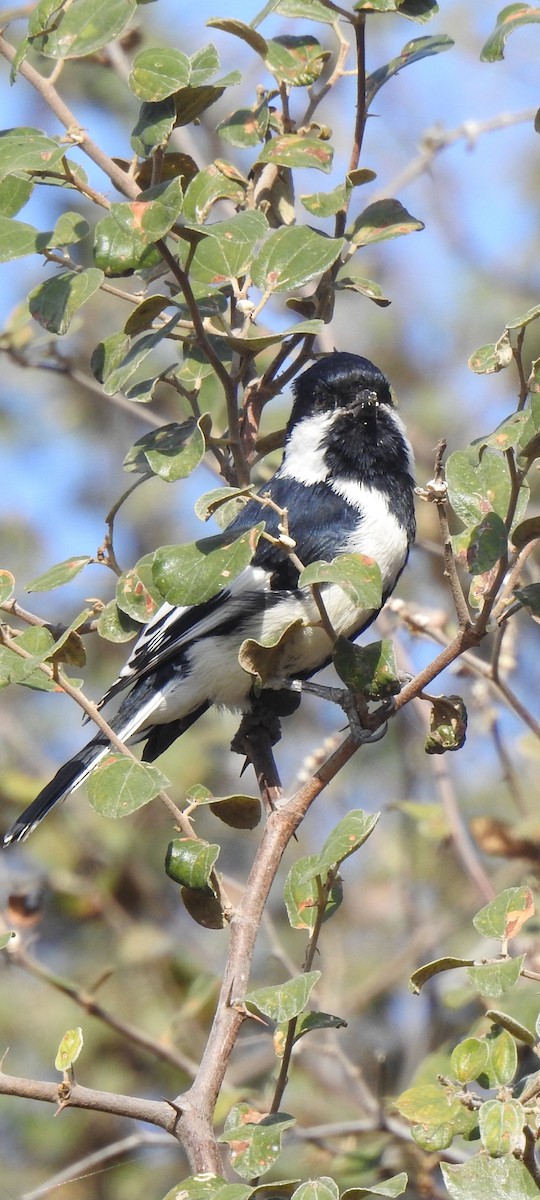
65 781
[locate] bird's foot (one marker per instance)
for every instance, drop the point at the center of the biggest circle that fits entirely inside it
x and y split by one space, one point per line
364 726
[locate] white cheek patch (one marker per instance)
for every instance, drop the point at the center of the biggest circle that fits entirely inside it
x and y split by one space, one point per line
378 533
304 458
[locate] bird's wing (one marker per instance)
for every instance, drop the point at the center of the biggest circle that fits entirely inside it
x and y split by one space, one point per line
322 521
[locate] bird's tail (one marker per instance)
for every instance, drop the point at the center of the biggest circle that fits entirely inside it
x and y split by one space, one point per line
69 777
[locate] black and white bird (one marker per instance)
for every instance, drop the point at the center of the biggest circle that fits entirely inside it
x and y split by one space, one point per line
346 481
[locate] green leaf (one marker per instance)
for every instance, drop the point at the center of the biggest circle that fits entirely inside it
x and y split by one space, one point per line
190 862
295 60
245 32
469 1059
265 659
228 250
512 17
310 10
413 51
325 204
493 357
297 150
316 1189
448 963
121 245
529 597
382 220
158 72
255 342
208 1187
195 572
503 1058
438 1116
494 978
136 593
6 938
482 1178
69 1049
238 812
285 1000
501 1126
302 893
527 531
512 1026
153 127
245 126
223 503
210 185
143 316
115 359
509 433
115 625
69 229
15 190
447 725
38 642
118 786
56 576
54 303
346 838
204 907
85 26
172 452
505 916
7 584
395 1186
415 10
306 1022
371 670
346 281
190 102
28 150
358 575
254 1139
17 239
532 314
481 547
476 489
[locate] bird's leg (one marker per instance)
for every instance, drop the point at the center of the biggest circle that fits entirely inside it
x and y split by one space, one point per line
258 732
354 706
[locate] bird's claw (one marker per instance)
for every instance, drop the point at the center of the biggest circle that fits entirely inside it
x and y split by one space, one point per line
348 702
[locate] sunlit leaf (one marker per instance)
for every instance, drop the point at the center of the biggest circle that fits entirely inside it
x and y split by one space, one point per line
56 576
190 862
84 26
28 150
283 1001
118 786
504 917
296 150
495 978
195 572
483 1178
254 1139
69 1049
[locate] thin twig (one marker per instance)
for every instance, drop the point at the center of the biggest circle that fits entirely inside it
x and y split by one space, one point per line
86 1001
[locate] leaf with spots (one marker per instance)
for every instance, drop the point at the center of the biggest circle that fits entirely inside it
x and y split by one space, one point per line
195 572
346 838
254 1139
